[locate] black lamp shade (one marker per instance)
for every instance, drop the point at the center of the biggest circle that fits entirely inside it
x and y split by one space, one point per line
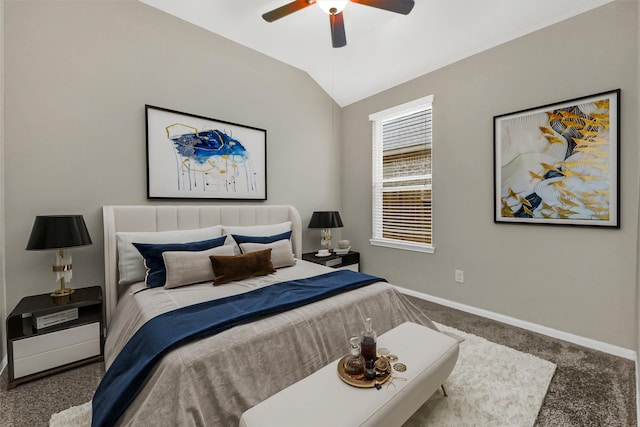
58 231
325 219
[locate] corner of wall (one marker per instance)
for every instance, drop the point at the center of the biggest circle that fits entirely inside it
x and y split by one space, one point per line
3 288
638 219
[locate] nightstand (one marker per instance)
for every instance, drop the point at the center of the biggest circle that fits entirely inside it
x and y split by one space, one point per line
38 352
350 261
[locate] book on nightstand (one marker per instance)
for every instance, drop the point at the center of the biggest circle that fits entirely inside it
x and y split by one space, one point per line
42 320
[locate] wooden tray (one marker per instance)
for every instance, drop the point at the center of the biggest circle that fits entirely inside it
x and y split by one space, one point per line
381 379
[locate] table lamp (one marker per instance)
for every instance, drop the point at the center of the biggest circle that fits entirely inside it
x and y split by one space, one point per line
326 220
59 232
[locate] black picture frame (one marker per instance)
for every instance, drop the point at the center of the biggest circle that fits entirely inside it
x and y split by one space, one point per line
197 157
559 164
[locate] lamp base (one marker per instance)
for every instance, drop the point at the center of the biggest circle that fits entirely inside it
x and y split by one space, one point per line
325 239
61 296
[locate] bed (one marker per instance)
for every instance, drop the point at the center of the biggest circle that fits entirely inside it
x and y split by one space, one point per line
214 379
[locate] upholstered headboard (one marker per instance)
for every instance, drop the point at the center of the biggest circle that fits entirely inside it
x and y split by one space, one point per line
184 217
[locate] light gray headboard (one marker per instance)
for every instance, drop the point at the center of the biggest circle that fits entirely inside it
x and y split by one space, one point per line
183 217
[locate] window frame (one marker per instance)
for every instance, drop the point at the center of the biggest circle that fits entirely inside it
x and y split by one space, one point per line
377 119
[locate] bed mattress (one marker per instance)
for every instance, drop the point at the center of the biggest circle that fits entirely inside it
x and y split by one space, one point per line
212 381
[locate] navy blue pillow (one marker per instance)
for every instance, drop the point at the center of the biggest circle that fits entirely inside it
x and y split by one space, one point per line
261 239
152 254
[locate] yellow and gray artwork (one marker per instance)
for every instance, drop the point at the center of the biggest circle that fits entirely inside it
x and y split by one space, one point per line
558 164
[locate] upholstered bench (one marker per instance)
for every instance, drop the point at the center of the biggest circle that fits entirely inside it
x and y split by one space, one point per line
323 399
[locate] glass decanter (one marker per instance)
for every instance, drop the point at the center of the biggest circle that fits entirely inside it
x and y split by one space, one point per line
369 340
354 362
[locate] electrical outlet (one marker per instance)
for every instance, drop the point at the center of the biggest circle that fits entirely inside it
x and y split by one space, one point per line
460 276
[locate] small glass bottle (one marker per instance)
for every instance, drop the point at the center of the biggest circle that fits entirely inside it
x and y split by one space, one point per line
369 340
369 370
354 362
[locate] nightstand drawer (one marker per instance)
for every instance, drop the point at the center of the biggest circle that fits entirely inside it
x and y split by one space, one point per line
42 352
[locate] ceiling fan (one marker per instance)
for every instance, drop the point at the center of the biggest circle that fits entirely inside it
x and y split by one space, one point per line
334 8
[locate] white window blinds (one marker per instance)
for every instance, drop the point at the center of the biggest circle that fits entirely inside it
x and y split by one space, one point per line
402 205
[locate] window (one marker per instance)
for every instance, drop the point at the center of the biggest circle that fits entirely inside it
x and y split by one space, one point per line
402 176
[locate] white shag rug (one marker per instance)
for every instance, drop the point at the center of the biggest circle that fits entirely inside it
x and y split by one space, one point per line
491 385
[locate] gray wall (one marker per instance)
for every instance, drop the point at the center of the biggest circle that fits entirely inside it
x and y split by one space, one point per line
578 280
638 247
78 75
2 157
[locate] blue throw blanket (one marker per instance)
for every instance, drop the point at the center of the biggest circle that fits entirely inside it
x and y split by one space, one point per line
124 379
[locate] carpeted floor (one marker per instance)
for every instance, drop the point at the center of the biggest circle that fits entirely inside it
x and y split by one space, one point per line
589 388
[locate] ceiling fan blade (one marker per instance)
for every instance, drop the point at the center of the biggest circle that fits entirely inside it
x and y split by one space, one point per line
397 6
338 36
287 9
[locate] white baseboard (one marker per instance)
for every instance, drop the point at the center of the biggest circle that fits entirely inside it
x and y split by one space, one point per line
544 330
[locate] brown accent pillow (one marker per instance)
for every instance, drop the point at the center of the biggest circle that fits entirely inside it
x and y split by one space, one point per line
229 268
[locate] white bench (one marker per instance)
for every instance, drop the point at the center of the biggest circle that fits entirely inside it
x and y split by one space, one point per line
324 400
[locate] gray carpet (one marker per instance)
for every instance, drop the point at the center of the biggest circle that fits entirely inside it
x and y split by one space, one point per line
589 388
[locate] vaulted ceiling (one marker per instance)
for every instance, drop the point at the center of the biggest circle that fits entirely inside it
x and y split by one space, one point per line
383 48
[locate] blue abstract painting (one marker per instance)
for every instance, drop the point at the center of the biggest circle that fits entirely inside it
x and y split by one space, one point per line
194 156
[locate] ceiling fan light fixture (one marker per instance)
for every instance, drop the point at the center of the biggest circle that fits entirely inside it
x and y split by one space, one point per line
332 7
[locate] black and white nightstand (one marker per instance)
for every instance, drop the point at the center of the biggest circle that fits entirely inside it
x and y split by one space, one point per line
43 338
350 261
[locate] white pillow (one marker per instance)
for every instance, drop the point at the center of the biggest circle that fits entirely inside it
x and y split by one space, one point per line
281 252
130 262
185 267
253 230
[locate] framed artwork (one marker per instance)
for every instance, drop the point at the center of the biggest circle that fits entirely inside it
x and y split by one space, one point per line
190 156
559 163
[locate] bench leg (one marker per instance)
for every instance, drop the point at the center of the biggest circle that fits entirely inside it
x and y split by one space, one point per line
443 390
